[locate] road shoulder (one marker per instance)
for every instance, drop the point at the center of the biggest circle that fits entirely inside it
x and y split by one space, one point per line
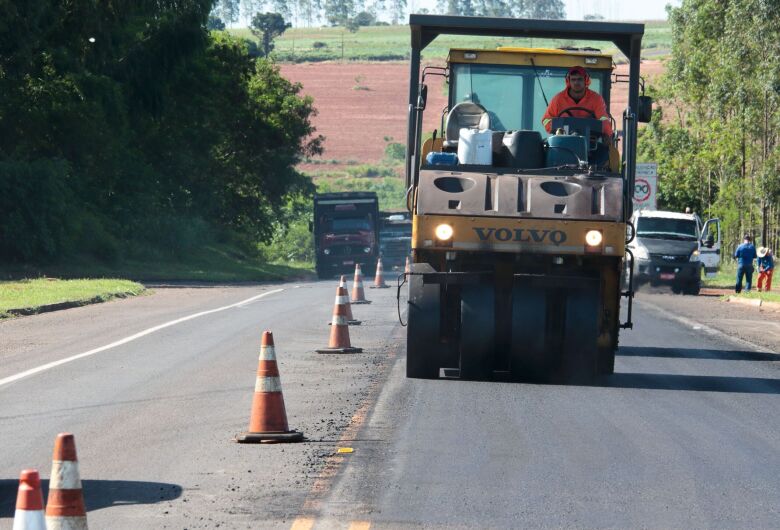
748 324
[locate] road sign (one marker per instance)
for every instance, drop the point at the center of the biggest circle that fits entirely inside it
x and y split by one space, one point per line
645 186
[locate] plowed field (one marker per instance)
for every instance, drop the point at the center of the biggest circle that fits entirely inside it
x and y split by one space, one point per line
360 104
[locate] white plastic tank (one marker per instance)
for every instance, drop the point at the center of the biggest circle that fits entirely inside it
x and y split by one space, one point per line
475 147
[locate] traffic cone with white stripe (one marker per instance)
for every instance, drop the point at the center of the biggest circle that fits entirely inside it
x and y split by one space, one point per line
29 502
358 293
339 329
65 506
342 295
268 421
379 278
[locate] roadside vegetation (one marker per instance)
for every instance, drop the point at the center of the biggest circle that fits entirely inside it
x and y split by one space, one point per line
32 296
716 127
136 140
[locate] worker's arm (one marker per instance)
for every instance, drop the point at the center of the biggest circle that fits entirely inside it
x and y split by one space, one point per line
600 109
551 112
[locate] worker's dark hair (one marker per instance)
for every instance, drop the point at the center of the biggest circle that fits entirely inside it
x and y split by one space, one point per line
748 237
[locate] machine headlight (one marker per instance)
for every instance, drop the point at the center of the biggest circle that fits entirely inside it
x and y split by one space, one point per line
593 238
366 249
694 256
444 232
326 251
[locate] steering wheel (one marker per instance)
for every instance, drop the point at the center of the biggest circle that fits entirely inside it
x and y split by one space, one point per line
570 109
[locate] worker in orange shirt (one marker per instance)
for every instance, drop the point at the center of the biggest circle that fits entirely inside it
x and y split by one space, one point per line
577 94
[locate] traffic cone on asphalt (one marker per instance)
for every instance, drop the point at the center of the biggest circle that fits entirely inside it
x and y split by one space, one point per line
379 278
339 328
408 267
29 502
343 295
358 293
65 506
268 421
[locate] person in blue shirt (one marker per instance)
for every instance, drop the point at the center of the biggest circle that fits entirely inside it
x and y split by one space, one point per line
766 265
745 254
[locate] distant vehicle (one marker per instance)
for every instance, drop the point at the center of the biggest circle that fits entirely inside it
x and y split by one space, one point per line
345 229
672 248
395 239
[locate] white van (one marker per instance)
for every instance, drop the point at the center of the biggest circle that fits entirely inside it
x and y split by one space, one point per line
673 249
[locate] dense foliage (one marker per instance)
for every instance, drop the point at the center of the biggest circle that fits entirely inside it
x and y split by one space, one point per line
126 124
717 140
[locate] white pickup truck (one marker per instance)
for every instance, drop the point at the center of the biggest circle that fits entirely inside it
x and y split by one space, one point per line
674 249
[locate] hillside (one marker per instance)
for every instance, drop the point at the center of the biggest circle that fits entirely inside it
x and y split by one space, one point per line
387 43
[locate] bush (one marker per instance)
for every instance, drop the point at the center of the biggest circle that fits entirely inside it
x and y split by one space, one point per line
370 171
175 235
395 152
37 210
318 45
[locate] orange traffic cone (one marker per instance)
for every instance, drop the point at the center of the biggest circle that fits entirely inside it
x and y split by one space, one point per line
29 502
342 296
379 278
358 293
268 422
408 267
65 505
339 329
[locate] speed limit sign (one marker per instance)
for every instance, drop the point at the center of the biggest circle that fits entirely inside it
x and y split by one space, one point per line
645 186
641 190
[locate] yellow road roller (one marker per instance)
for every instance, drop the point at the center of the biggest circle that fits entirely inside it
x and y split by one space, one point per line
519 226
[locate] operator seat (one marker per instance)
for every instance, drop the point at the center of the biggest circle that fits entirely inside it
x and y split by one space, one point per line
465 114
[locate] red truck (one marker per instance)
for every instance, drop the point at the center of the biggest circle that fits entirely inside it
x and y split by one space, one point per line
346 232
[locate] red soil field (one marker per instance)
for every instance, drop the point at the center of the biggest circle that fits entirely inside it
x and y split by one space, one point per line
359 104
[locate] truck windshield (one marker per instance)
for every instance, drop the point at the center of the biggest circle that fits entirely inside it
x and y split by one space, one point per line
665 228
350 224
511 94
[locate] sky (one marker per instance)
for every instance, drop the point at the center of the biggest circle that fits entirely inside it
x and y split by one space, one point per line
609 9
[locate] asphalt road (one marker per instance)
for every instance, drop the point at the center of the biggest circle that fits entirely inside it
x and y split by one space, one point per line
685 434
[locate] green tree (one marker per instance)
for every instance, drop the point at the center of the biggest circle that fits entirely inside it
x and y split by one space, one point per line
266 27
215 23
339 12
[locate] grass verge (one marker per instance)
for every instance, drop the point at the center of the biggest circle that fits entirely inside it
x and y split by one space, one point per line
34 296
210 263
726 278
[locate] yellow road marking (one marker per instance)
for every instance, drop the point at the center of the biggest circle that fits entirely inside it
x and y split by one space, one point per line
302 523
360 525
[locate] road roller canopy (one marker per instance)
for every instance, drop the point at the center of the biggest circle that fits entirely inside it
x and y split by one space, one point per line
515 85
512 84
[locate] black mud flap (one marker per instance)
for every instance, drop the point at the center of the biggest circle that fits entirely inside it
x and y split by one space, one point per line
424 350
580 337
477 331
529 358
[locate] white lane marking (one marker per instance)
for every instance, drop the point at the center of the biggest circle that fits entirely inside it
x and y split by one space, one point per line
149 331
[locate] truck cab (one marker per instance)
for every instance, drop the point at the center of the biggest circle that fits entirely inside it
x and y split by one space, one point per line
674 249
346 234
